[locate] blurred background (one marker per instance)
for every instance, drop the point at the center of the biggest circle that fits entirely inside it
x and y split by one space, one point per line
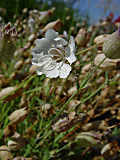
93 10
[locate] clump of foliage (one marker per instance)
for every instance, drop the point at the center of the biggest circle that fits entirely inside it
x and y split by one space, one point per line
54 118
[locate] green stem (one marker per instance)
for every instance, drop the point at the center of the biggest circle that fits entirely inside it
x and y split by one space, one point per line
86 50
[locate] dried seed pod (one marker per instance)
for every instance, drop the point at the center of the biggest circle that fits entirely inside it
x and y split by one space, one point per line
3 80
44 16
10 93
25 10
7 91
99 40
13 75
81 38
106 148
72 90
18 115
7 41
100 80
72 30
73 104
86 68
27 46
18 52
61 123
12 145
18 64
5 153
56 25
111 46
33 69
46 107
71 115
88 138
107 64
31 38
26 54
23 100
28 61
59 90
68 18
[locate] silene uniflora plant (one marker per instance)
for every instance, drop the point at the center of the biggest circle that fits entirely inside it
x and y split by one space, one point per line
53 55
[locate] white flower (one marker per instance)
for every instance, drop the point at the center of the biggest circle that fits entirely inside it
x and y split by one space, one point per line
51 53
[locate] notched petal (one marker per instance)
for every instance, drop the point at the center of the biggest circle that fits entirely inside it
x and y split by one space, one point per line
64 70
60 41
52 73
51 34
71 51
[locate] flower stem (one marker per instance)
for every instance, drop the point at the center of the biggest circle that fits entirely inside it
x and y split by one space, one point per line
86 50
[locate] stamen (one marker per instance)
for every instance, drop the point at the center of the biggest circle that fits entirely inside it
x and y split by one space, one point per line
56 54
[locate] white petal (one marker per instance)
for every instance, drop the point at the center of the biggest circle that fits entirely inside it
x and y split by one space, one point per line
42 45
39 73
60 41
31 21
72 44
53 73
40 42
41 60
50 65
50 69
64 70
65 34
51 34
37 55
71 58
